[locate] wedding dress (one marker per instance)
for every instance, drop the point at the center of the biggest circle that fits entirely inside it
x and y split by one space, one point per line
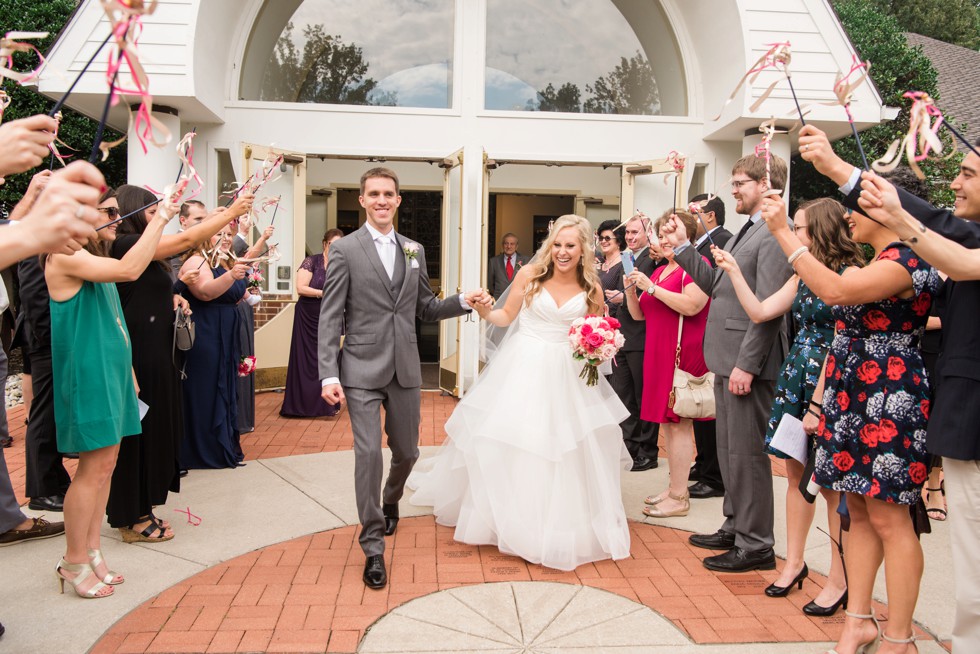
534 456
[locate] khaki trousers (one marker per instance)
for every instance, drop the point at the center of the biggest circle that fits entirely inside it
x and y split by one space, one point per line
963 498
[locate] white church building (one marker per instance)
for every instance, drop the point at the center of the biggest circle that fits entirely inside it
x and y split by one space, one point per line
498 115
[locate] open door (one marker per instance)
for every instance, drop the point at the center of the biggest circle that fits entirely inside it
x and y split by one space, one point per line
652 187
450 331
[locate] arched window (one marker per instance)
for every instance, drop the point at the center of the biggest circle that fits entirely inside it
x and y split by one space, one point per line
583 56
396 53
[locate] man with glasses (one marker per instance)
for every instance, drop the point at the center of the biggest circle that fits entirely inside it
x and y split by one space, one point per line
746 359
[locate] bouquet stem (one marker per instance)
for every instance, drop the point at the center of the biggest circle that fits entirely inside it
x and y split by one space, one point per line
590 374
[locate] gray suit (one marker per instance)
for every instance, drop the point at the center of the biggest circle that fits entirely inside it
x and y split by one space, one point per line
732 340
380 363
497 281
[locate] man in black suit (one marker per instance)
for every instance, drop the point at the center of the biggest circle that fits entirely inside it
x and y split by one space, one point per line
639 435
954 423
504 266
706 471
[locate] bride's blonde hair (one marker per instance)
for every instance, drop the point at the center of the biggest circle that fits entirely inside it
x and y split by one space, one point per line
543 268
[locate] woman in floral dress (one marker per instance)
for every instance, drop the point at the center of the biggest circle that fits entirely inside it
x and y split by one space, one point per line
871 434
820 225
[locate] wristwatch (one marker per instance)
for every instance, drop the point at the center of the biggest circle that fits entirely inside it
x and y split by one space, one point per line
652 290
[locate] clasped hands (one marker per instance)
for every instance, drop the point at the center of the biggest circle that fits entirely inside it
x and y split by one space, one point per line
479 300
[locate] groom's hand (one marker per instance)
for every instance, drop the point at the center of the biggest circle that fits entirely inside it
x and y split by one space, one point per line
333 394
478 296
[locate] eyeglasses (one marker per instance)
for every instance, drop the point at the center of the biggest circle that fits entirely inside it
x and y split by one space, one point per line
111 212
605 239
739 183
797 228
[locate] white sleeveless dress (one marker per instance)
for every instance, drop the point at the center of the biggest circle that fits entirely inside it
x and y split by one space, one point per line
534 456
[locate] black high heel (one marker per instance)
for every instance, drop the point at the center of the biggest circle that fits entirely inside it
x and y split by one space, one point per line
814 609
782 591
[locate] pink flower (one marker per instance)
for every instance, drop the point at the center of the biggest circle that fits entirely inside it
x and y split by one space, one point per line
594 340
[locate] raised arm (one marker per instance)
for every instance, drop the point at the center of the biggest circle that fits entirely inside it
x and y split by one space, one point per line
174 244
686 255
260 245
206 286
688 302
503 316
758 311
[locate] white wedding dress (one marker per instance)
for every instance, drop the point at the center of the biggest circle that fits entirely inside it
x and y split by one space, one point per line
534 456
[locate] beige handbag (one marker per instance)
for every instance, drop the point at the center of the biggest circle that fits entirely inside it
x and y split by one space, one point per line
690 397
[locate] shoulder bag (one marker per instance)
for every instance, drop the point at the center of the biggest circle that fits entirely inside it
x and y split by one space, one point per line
690 396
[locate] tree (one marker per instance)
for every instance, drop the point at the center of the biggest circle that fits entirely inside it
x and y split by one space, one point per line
566 99
953 21
76 130
329 71
895 68
629 89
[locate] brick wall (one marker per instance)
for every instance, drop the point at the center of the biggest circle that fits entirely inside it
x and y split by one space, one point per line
269 308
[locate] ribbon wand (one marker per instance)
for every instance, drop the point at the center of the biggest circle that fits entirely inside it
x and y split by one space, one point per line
844 89
131 213
61 102
94 155
275 210
695 208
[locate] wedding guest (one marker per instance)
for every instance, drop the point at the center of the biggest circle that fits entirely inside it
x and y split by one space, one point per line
503 266
819 225
211 437
611 244
246 331
663 302
95 389
639 435
239 245
302 398
746 359
872 415
192 212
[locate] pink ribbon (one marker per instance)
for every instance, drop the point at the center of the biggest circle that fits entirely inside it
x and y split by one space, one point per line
925 119
777 57
9 45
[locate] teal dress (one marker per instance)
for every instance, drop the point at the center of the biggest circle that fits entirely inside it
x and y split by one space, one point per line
94 396
801 370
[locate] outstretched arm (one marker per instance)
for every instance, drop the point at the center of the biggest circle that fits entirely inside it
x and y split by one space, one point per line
503 316
759 311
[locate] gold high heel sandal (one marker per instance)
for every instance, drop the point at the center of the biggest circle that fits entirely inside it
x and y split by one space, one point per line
95 560
657 512
84 575
869 647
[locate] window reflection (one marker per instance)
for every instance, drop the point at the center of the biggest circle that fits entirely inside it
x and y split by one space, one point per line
578 56
395 53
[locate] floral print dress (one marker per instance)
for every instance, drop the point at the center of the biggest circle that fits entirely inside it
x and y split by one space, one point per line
801 370
871 438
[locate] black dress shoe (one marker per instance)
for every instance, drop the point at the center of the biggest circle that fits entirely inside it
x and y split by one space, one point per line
739 560
182 472
694 474
772 590
643 463
374 572
6 441
701 490
814 609
720 540
390 512
50 503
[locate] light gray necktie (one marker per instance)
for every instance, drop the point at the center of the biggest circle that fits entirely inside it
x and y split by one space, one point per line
387 258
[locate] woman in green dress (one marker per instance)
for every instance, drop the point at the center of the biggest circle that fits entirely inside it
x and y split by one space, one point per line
820 225
94 387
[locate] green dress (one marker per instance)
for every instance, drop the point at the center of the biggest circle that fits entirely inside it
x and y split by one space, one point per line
94 396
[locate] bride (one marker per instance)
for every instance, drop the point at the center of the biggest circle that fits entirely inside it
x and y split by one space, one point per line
534 455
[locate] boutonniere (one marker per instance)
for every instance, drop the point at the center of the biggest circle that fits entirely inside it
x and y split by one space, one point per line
519 264
411 251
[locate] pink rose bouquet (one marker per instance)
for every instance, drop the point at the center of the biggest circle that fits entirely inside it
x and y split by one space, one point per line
254 278
246 366
594 340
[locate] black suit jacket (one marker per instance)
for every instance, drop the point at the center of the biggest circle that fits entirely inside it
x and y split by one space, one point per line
34 302
635 331
720 236
954 424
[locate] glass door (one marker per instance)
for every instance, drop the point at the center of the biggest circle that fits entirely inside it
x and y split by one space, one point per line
450 341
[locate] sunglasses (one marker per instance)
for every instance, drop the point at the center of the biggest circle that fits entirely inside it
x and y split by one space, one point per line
110 212
605 239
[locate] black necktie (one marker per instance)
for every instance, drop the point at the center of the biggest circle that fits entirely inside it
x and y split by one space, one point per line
742 232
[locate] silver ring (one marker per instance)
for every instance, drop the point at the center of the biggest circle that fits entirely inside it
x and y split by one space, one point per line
806 147
80 211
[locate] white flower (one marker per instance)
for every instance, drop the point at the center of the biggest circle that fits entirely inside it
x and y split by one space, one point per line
411 249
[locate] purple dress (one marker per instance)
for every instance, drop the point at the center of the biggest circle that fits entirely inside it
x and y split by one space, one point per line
302 398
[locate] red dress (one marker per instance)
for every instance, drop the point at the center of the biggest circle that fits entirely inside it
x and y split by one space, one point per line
661 345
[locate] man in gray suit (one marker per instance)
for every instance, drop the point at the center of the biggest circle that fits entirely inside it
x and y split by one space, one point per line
746 359
376 285
504 266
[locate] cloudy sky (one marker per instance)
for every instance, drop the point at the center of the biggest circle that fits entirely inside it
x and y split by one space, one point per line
409 44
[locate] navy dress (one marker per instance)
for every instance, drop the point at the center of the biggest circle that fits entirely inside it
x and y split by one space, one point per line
302 398
211 436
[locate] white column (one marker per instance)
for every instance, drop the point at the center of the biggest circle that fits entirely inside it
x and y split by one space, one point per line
157 167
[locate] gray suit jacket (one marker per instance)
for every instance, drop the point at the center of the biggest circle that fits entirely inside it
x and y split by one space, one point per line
380 337
497 281
731 339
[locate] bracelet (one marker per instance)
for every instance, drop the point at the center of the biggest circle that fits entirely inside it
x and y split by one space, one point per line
797 254
912 240
816 404
813 413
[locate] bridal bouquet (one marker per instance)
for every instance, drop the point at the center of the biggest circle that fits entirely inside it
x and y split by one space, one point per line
595 340
246 366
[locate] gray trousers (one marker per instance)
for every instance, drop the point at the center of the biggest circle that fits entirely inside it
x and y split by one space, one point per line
745 466
402 414
10 513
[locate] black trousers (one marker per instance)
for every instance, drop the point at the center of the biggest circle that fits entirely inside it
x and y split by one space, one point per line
46 474
639 435
706 461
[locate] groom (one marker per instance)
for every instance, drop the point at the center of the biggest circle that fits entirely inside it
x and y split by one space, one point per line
376 286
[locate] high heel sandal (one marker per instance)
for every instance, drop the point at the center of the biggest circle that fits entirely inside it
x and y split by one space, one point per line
814 609
130 535
899 641
657 512
872 646
782 591
80 582
940 512
95 560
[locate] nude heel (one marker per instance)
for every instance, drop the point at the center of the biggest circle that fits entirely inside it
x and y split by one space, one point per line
95 560
84 575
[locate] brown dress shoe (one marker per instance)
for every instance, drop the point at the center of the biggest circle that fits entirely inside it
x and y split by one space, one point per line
40 529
